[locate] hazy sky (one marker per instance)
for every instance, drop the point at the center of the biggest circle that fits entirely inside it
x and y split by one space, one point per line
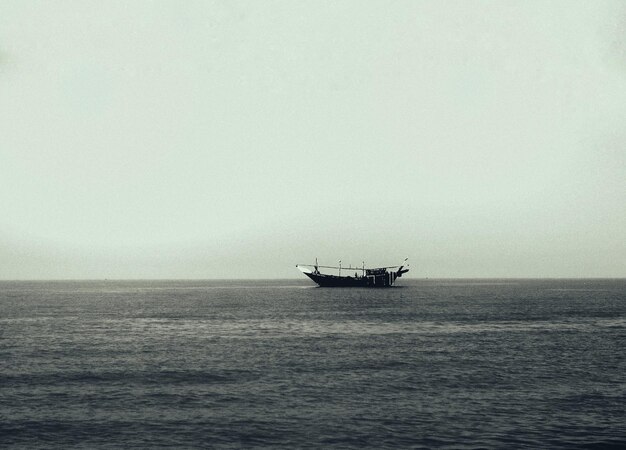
197 139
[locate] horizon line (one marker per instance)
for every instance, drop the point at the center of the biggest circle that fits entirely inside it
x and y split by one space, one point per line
303 279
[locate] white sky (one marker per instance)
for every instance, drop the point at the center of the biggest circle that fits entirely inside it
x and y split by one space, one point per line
199 139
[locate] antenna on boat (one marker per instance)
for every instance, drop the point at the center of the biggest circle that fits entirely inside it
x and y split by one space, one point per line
339 267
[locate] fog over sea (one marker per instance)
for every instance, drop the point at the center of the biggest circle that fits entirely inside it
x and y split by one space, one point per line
284 364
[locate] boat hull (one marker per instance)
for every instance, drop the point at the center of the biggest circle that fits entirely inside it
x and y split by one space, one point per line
382 280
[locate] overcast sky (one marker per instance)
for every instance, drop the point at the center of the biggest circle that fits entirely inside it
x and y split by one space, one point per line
197 139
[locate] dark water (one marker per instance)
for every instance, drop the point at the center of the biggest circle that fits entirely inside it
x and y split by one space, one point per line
459 364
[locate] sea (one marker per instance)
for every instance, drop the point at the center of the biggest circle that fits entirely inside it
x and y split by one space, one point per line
460 364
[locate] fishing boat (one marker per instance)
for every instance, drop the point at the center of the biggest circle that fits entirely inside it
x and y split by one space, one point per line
363 277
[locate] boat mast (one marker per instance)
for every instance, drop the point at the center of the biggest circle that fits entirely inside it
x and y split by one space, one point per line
339 267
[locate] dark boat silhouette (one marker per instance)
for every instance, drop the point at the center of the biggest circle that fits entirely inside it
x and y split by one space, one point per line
373 277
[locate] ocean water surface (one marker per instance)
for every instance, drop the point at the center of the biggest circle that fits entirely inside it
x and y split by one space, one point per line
281 363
